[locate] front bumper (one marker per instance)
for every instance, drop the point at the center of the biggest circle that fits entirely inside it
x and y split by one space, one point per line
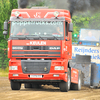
46 77
38 81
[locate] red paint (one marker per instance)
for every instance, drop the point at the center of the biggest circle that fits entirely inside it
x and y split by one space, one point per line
65 50
74 75
42 13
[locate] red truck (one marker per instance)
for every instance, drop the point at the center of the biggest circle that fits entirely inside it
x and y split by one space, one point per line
40 48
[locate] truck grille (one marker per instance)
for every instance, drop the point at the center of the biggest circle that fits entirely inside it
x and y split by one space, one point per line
36 66
35 47
36 51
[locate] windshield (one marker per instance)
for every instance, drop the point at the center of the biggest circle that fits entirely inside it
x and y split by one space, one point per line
37 28
89 35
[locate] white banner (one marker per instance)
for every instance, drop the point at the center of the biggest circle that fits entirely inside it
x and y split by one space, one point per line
93 51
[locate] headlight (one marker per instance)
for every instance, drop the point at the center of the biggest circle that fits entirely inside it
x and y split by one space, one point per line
59 68
97 44
13 67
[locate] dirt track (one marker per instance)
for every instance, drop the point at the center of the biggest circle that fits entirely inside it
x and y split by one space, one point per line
45 93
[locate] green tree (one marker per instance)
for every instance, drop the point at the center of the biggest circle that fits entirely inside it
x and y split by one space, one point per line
88 21
5 11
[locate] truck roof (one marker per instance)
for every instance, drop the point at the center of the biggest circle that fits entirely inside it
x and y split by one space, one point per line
41 13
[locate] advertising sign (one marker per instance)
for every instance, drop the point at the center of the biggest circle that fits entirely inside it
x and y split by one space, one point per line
93 51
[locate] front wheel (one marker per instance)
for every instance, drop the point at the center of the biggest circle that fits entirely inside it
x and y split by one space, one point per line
15 85
77 86
65 86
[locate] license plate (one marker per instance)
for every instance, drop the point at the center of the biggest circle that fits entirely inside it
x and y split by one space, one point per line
35 76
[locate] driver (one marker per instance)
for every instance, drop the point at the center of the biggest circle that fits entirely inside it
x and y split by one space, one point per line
24 32
58 31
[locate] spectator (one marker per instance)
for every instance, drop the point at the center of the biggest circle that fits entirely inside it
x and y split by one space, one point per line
90 37
58 31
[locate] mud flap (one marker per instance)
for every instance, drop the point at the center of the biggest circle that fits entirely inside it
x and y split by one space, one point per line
83 63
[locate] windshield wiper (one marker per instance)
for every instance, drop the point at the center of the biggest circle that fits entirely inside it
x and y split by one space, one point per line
52 38
27 37
36 36
55 37
33 35
21 38
41 37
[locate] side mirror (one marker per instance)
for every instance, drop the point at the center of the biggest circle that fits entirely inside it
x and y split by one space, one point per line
70 27
5 25
5 32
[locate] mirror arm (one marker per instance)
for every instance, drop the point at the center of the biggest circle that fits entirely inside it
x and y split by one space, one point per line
8 21
5 38
66 40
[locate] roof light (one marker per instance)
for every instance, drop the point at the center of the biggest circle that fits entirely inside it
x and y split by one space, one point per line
97 44
56 13
17 14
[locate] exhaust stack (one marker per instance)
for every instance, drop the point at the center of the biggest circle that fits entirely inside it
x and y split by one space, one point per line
22 3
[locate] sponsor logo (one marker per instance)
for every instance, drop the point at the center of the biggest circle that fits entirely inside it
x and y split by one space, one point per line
74 72
45 69
36 43
65 49
54 48
25 68
17 48
94 52
85 50
37 15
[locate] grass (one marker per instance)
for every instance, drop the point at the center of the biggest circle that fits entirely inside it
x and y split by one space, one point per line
4 72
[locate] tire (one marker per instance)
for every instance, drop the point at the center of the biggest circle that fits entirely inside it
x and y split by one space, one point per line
15 85
65 86
28 85
77 86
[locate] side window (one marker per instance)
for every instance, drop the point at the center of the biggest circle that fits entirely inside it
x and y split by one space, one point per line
66 28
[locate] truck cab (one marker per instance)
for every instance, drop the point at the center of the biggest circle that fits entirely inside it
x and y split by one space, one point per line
40 48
